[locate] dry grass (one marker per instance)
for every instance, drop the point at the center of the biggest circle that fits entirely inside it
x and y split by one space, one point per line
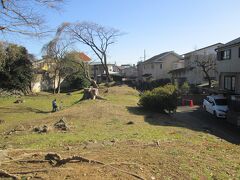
153 145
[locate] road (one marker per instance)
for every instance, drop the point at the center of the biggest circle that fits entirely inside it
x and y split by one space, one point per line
197 119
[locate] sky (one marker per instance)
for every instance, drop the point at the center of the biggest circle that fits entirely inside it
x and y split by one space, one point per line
155 26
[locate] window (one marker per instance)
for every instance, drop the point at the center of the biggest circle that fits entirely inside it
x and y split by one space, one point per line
229 83
225 55
160 66
221 102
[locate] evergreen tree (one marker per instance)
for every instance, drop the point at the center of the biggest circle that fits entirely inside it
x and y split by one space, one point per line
16 68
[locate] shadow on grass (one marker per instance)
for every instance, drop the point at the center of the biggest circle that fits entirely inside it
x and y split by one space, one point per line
194 119
22 110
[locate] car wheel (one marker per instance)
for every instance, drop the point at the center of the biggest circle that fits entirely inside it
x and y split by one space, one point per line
204 107
215 114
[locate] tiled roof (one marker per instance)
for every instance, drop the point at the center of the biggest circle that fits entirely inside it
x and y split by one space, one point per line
84 57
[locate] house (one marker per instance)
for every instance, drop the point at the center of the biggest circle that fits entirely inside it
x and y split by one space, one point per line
129 72
43 80
98 73
193 73
229 66
178 73
44 77
158 67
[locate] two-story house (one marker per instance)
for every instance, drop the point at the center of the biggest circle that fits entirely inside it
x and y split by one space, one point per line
229 66
193 73
158 67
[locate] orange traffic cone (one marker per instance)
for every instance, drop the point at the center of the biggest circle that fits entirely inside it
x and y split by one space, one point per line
191 103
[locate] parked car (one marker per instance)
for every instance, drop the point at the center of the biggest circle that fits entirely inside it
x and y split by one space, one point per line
216 105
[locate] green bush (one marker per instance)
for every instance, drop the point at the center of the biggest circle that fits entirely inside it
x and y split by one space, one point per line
184 89
160 99
75 81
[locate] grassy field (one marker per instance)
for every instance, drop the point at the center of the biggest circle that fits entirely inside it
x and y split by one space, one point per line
114 131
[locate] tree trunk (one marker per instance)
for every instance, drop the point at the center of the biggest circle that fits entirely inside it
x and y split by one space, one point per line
209 82
54 88
54 80
59 84
208 78
108 78
91 93
93 83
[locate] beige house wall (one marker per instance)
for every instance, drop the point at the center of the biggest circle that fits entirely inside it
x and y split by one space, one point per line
154 68
194 74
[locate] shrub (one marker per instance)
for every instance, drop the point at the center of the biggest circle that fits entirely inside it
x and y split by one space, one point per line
185 88
160 99
75 81
143 86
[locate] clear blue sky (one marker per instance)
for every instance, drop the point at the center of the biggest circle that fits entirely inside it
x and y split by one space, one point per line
154 25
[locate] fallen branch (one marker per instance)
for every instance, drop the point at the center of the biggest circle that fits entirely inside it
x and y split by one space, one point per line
33 161
4 174
31 172
56 160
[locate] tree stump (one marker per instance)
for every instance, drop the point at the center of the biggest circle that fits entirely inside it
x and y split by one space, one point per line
91 93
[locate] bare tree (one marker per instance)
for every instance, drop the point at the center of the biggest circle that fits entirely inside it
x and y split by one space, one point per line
97 38
55 52
207 64
83 67
22 16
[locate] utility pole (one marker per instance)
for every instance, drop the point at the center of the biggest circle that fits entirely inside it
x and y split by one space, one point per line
144 56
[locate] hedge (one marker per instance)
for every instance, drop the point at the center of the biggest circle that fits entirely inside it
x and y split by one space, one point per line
160 99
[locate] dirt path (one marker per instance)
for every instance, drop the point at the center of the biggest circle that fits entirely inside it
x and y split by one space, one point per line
197 119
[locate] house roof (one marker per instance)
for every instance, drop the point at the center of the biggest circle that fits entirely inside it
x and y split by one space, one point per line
217 44
231 43
99 64
160 57
84 57
178 70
